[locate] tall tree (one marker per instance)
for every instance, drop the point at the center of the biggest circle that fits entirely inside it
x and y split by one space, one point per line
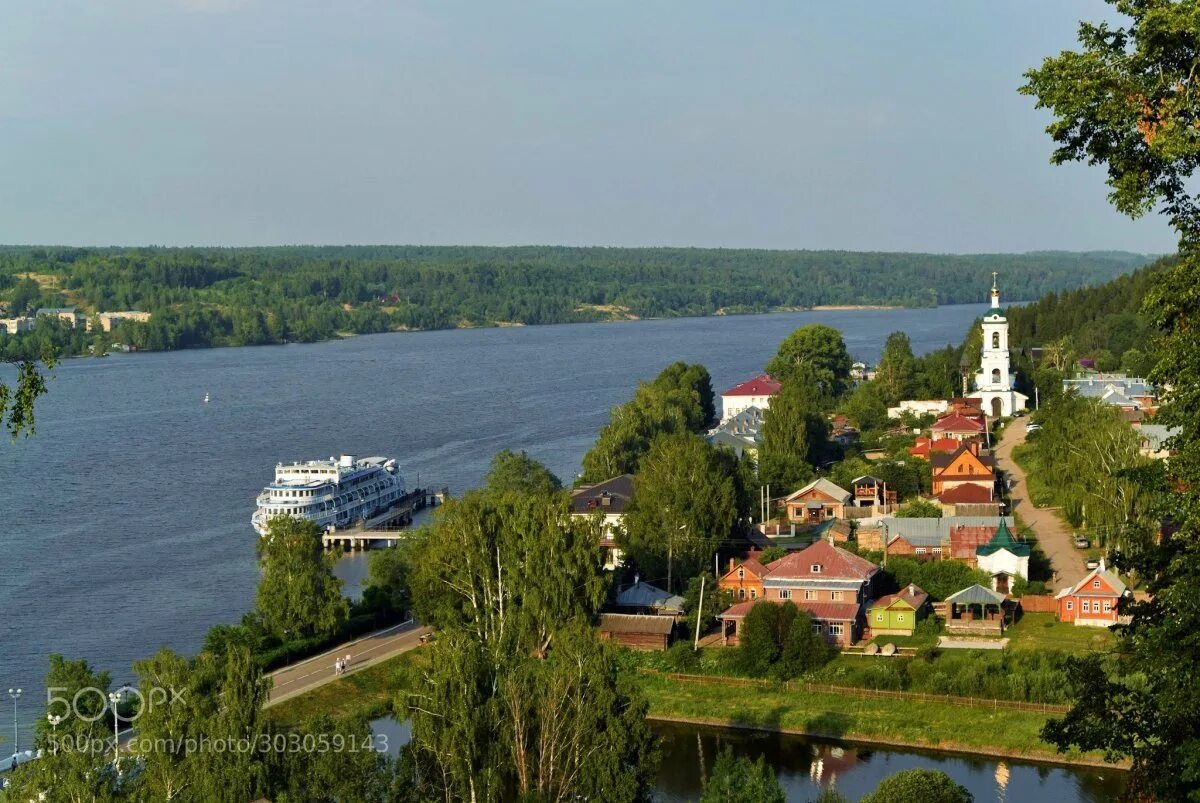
815 353
896 375
795 435
685 504
654 410
693 378
519 695
521 473
78 695
298 596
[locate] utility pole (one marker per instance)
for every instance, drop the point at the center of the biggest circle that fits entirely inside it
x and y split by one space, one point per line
699 614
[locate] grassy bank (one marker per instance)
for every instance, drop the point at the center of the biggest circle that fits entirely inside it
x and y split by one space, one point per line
977 729
966 729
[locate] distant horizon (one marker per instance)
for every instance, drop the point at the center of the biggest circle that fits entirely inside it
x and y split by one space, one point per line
1153 254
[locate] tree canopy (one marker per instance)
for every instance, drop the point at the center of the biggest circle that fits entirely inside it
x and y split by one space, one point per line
813 354
685 504
298 596
794 435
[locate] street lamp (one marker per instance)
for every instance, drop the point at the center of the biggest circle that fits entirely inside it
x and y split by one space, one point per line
114 697
15 695
54 719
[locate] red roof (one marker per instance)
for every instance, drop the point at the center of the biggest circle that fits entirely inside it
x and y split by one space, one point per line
824 611
752 567
966 494
835 562
763 385
956 423
829 611
924 446
912 594
964 540
739 611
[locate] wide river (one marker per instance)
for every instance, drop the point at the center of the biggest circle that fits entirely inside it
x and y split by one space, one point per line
126 518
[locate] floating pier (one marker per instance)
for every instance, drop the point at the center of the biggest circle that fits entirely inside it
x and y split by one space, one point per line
389 526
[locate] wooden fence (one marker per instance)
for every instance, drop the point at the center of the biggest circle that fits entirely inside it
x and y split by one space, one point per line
1039 603
861 693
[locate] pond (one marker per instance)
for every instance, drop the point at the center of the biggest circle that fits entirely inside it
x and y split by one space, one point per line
804 766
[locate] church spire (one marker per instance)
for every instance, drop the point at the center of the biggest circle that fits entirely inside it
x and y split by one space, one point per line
995 292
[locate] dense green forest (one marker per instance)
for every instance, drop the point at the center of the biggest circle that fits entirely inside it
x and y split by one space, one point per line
247 296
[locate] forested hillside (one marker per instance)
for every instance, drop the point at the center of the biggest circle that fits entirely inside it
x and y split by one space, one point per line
243 296
1104 323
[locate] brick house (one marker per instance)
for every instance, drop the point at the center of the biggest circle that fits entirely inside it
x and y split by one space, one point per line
744 580
831 584
1093 600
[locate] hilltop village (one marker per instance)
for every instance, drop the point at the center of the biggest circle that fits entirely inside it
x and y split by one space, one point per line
912 526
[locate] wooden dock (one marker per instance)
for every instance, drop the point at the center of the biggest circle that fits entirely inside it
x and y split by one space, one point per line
389 526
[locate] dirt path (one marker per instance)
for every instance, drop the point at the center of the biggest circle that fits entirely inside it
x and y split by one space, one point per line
312 672
1052 532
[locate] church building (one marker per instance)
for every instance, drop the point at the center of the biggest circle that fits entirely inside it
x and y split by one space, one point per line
994 382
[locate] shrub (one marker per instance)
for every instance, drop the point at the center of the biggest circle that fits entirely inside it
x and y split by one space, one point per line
919 786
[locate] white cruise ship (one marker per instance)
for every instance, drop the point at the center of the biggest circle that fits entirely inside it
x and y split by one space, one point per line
337 492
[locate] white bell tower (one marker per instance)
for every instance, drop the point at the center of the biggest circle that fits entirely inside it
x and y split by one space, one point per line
994 382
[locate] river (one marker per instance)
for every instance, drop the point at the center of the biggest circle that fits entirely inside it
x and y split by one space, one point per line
126 518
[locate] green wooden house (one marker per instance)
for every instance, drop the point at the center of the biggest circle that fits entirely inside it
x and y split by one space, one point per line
898 614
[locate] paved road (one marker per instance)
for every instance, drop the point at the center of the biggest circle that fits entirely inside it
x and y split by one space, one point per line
1052 532
310 673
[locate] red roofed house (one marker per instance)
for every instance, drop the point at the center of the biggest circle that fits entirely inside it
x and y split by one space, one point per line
924 447
1093 600
956 426
756 392
829 583
967 466
968 499
744 581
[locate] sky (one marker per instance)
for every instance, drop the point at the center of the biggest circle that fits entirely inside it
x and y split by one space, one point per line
846 125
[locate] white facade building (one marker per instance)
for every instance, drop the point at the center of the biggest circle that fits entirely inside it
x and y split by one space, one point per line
994 382
756 392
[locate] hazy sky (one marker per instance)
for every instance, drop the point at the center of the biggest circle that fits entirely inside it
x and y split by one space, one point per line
855 125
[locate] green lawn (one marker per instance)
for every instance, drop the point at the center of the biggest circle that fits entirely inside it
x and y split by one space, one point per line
1041 631
368 693
971 728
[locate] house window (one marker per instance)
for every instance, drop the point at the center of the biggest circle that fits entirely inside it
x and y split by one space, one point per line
1107 607
816 626
1070 605
835 628
753 593
899 617
815 568
785 593
1095 584
741 593
810 594
879 617
1087 606
741 574
836 596
920 550
937 550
